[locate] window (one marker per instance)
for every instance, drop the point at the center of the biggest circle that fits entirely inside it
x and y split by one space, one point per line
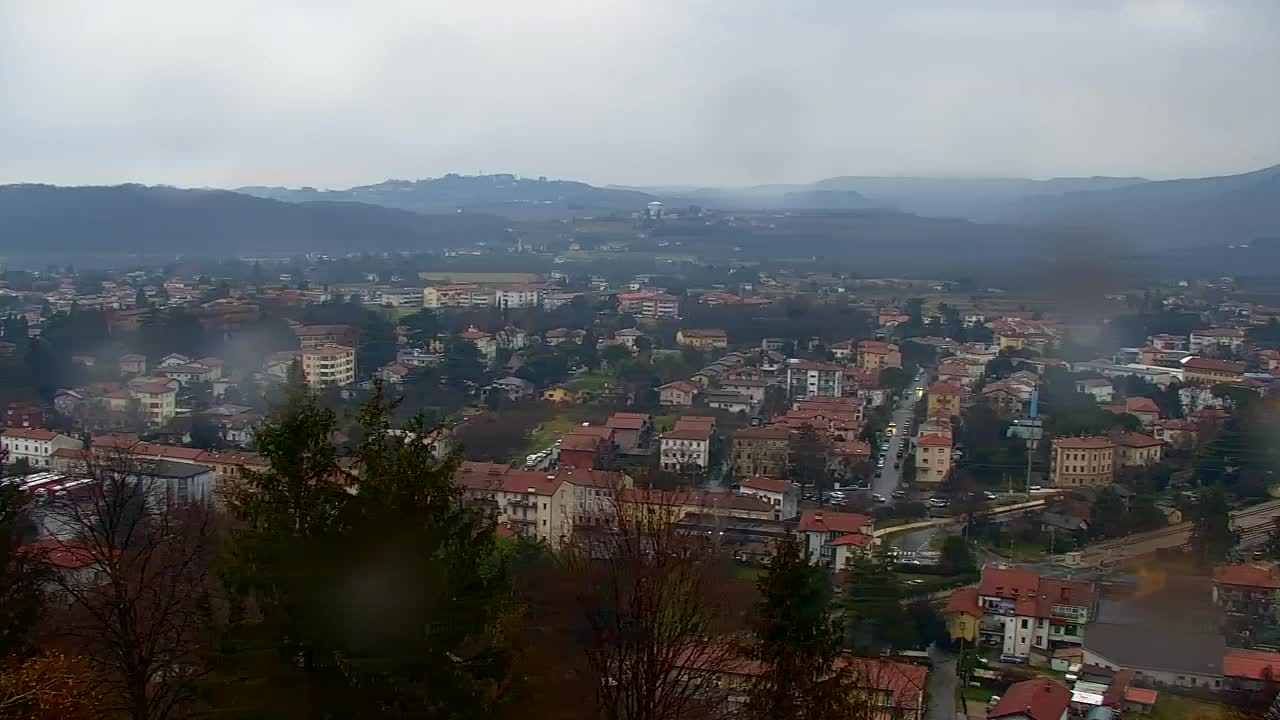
1025 623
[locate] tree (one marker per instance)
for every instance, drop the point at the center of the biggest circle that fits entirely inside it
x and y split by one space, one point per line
205 435
140 297
1212 538
658 605
956 556
875 619
21 578
808 456
376 588
1108 515
798 642
139 621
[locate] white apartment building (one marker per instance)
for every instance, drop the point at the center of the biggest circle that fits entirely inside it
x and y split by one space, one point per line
463 296
1025 611
520 296
806 378
684 447
329 366
35 445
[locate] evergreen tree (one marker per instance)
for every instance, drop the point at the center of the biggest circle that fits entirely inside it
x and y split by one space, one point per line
21 579
799 641
1212 538
875 619
373 583
956 555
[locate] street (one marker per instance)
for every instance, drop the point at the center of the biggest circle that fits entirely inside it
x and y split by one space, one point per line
902 414
942 685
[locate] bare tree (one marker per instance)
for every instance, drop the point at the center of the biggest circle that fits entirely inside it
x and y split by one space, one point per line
662 611
132 553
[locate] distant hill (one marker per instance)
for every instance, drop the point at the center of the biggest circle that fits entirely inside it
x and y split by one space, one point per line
972 198
506 195
140 219
1231 209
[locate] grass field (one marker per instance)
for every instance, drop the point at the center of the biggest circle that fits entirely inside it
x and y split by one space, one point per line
976 694
594 380
546 433
1178 707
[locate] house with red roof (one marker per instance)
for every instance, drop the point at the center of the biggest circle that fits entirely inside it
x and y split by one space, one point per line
542 505
680 392
1143 408
963 614
1036 699
630 430
783 495
1250 669
1247 590
826 535
35 445
1137 449
1025 612
1211 371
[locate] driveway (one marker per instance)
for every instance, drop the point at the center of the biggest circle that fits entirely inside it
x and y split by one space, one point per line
942 686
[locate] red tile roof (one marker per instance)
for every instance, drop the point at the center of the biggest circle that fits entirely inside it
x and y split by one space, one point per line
964 600
1008 582
838 522
855 539
934 441
1251 664
767 484
620 422
580 442
1038 699
814 365
30 433
1141 695
1137 440
942 388
1203 363
689 433
1258 576
1141 404
1083 443
769 432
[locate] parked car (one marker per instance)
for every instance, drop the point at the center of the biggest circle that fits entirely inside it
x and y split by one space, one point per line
879 498
989 495
899 493
1012 659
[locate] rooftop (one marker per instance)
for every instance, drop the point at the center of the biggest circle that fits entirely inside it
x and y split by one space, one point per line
1083 443
1038 699
1259 576
833 522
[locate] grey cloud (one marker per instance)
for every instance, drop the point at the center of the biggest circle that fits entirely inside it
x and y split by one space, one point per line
666 91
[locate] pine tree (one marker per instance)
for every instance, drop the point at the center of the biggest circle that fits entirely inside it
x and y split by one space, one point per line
874 615
1212 538
799 641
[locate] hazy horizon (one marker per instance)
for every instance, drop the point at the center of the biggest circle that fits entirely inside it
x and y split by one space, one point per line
665 93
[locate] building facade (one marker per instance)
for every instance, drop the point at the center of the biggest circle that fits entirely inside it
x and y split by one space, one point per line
1082 461
329 366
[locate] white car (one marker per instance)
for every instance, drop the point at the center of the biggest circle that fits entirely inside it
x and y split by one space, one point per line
878 497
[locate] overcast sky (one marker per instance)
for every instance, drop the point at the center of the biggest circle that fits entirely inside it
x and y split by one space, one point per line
332 93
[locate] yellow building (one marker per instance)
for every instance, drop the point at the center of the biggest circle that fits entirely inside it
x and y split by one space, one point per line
944 400
329 366
1137 449
559 394
1010 341
1210 371
702 339
1083 461
964 614
933 458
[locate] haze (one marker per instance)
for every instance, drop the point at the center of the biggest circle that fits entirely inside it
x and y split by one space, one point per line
611 91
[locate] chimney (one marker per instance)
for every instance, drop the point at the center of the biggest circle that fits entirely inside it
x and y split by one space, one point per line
1066 594
817 515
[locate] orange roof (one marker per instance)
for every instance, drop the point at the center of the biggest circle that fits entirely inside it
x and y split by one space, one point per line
1137 440
942 388
844 523
934 441
767 484
1038 699
1203 363
580 442
964 600
1258 576
1251 664
1083 443
1007 582
1141 695
30 433
855 539
768 432
1141 404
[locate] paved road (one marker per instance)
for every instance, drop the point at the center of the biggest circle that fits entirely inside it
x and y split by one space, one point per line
889 476
942 686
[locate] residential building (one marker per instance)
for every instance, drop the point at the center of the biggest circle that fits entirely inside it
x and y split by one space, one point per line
157 397
1249 591
680 392
752 388
631 431
1082 461
675 506
833 538
874 355
807 378
1177 432
35 446
459 296
963 614
728 401
551 301
485 342
686 448
193 372
1217 340
314 336
587 448
1143 408
1035 699
394 373
782 495
1173 343
649 304
1203 370
559 394
702 339
17 414
1100 388
761 451
1026 612
133 364
944 400
933 458
896 689
520 295
1137 450
532 504
329 366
